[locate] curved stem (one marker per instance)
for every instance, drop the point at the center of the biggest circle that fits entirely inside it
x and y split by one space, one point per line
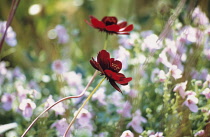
72 121
81 94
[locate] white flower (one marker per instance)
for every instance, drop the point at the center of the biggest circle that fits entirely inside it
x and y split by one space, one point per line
127 133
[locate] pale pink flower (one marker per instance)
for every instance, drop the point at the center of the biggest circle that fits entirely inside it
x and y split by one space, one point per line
63 36
59 66
158 134
207 53
7 100
175 72
73 78
126 110
100 96
59 108
150 42
187 93
191 35
164 59
133 93
199 17
191 102
3 69
162 76
136 121
10 38
199 133
181 87
22 92
206 92
84 117
128 41
127 133
116 99
122 55
27 106
84 120
154 75
61 126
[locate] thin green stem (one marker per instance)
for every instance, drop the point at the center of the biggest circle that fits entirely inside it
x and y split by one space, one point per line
105 43
72 121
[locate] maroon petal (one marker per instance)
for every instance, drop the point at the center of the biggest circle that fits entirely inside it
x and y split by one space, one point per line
124 81
96 65
128 28
112 75
113 28
96 23
103 59
115 85
122 24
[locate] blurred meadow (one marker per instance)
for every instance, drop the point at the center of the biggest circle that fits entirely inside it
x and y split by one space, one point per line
46 56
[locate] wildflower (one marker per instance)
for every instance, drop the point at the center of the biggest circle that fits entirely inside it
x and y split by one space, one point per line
63 36
83 117
59 66
61 126
162 76
126 110
181 87
206 92
7 100
199 17
127 133
73 78
116 99
150 42
136 121
110 25
10 38
122 54
110 68
175 72
3 69
59 108
191 102
158 134
27 106
199 133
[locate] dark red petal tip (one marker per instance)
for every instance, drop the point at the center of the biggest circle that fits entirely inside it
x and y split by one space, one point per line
115 85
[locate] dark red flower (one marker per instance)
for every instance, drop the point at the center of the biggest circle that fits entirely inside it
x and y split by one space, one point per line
109 24
110 68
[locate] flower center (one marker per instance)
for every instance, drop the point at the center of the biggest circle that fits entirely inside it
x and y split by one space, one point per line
115 67
109 20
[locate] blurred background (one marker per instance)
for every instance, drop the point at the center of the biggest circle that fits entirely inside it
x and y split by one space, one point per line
34 20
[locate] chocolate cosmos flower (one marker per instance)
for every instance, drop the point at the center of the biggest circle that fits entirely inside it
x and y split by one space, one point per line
110 25
110 68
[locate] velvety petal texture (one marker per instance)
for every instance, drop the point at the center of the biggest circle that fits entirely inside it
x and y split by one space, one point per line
110 25
110 68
